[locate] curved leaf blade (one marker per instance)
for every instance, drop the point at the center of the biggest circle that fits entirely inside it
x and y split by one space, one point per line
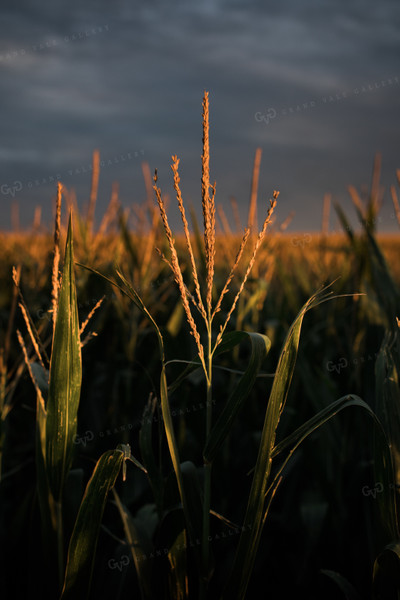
387 393
383 461
138 535
386 575
254 517
349 593
260 346
82 546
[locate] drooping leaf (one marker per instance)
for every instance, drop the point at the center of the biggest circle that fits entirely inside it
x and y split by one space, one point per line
252 526
382 464
386 575
255 512
129 291
82 546
349 593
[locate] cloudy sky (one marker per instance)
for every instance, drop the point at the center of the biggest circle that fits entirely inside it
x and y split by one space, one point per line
314 84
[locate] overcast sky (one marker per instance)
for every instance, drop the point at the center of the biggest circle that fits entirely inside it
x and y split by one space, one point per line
315 84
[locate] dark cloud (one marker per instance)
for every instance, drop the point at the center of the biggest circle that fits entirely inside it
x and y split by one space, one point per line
128 79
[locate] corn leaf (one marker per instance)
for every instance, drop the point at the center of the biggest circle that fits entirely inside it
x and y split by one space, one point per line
131 293
383 462
260 345
349 593
65 379
147 453
165 408
178 575
194 500
385 287
138 532
82 546
345 224
253 521
388 411
386 575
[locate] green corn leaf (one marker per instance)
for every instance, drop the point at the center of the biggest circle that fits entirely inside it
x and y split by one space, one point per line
147 453
260 345
349 593
165 408
192 366
194 500
386 575
387 394
127 240
178 576
138 532
131 293
293 440
385 287
173 450
253 521
166 412
290 444
383 463
82 546
229 341
345 224
65 379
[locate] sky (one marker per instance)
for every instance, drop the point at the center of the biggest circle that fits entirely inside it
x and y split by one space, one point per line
314 84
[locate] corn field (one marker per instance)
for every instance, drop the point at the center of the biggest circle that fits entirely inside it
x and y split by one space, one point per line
200 413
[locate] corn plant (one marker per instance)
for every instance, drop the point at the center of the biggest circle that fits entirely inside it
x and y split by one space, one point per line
58 394
204 302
